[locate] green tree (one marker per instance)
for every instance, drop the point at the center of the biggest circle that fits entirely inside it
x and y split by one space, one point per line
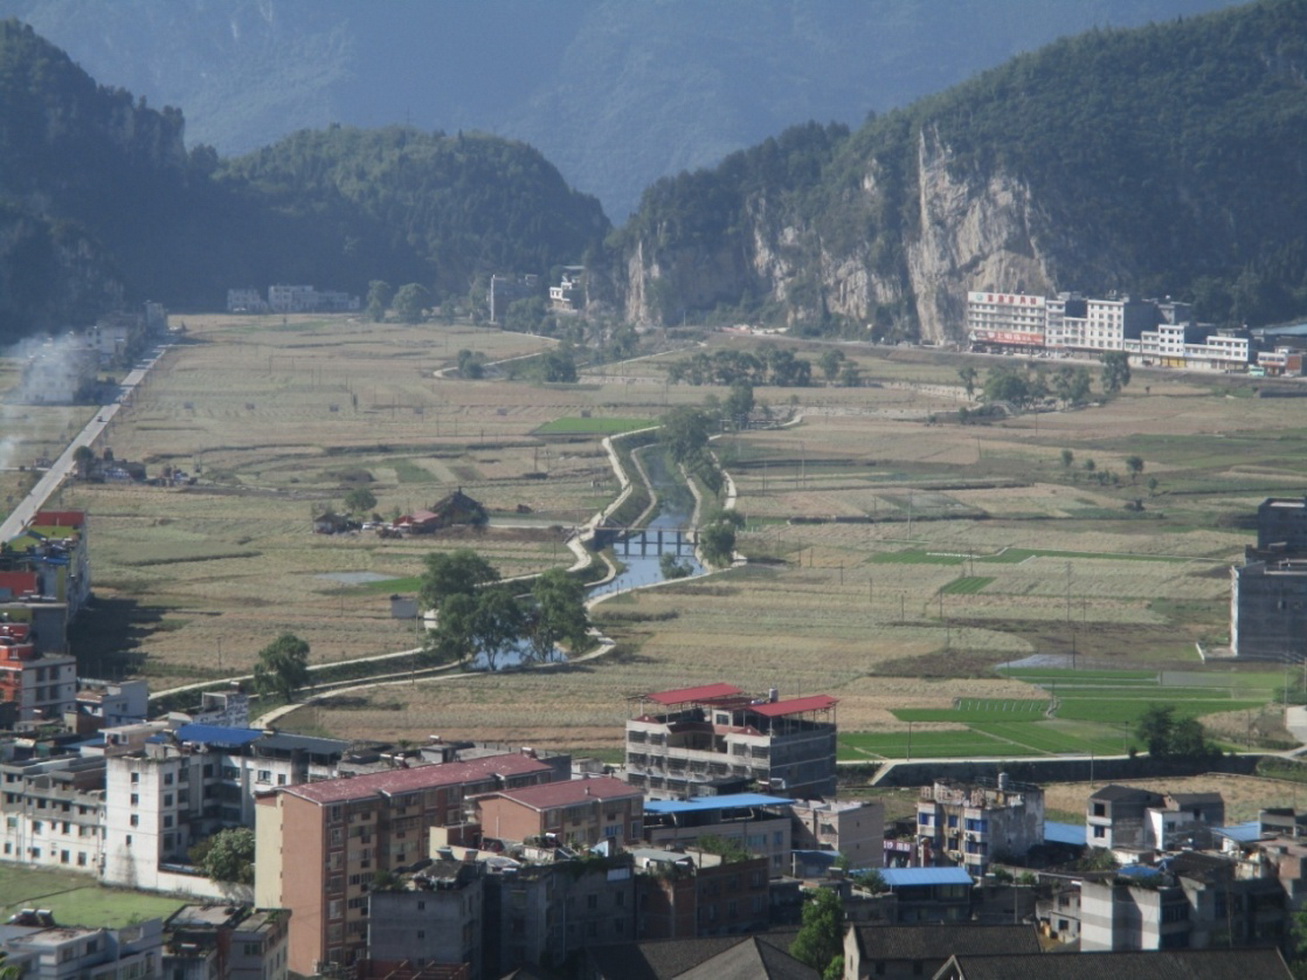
457 572
227 856
831 360
850 375
360 500
496 622
1116 371
1068 457
471 364
379 296
1155 729
451 640
673 567
526 315
83 458
1006 384
684 431
717 541
821 937
559 615
1189 740
1135 464
968 375
410 302
283 666
558 366
739 403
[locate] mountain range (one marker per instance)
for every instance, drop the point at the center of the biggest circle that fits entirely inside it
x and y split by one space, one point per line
1167 159
615 93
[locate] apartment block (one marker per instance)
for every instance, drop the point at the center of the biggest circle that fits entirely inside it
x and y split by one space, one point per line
718 739
321 844
854 829
52 811
972 824
166 790
575 812
433 919
42 687
694 894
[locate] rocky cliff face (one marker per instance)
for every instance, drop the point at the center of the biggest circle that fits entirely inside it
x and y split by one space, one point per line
970 231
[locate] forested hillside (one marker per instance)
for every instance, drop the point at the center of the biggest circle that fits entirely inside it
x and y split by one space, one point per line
615 93
1167 159
100 203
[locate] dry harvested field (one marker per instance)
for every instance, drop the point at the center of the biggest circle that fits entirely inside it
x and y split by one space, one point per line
278 420
978 543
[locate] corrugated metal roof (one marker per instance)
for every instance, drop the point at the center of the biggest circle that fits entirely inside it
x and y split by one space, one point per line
1242 833
726 802
1064 833
217 734
794 706
707 692
907 877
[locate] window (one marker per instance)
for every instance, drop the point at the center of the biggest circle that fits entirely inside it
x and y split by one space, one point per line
63 857
135 799
136 778
281 779
135 820
129 840
167 820
1100 832
167 799
167 779
253 949
264 776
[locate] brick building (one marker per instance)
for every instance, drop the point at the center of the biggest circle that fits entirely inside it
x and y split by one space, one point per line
321 844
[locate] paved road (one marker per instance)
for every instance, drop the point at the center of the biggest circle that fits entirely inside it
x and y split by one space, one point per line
22 514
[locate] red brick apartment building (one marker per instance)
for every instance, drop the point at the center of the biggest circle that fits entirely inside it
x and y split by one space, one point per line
319 845
580 811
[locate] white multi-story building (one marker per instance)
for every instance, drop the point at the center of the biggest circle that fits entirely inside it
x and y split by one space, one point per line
283 298
52 811
181 786
1007 319
245 301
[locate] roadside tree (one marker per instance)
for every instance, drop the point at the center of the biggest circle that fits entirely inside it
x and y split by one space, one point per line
411 301
227 856
457 572
283 667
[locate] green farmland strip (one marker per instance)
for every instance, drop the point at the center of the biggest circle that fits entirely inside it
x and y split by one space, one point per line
967 585
1127 712
925 745
573 425
1041 737
978 709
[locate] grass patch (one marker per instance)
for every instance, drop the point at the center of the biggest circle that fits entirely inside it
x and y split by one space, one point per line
571 425
77 899
925 745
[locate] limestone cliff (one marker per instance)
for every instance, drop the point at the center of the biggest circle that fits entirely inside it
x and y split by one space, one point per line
967 231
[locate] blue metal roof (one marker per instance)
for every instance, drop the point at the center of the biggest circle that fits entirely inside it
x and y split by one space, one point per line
1064 833
907 877
1140 871
217 734
1241 833
702 803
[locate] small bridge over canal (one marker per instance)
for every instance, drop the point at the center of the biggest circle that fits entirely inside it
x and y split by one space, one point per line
648 542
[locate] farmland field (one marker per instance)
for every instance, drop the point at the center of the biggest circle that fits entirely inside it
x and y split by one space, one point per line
879 603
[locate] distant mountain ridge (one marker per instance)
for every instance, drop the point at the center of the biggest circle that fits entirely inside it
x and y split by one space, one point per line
100 203
615 93
1165 159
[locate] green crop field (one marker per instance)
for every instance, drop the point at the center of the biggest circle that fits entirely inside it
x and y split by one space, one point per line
971 710
927 745
572 425
966 585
